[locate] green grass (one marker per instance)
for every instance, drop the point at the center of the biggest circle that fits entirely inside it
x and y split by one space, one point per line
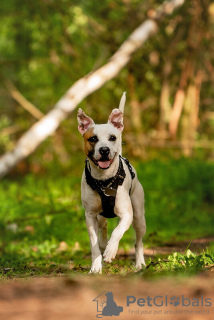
179 198
188 263
43 230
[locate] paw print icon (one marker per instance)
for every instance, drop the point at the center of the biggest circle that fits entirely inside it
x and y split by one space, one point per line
175 301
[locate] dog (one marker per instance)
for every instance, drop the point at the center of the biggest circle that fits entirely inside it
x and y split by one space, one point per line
111 308
109 188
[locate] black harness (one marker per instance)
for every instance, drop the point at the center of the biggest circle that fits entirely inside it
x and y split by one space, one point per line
107 189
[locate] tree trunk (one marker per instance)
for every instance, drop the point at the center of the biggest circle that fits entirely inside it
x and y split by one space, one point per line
190 115
179 99
165 106
84 87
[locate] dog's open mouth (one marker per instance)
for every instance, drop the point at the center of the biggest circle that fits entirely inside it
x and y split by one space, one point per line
103 163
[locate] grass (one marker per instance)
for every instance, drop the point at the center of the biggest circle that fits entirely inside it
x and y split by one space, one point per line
183 264
43 230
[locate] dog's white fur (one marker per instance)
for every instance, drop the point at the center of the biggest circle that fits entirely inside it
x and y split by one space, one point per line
129 208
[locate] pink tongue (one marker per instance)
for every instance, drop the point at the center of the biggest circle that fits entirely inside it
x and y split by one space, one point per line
104 164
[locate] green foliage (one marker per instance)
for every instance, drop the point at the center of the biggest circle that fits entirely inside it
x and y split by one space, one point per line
45 46
180 199
177 263
43 228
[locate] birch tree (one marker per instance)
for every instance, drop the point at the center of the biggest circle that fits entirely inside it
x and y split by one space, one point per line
47 125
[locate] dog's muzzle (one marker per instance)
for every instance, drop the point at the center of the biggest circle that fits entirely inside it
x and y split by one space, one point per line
104 161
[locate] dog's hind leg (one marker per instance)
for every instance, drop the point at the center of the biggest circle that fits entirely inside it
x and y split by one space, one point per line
139 223
103 238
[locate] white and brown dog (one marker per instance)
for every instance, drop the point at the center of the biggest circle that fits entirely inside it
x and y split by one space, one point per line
109 188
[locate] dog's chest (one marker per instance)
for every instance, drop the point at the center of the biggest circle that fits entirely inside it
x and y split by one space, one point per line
100 196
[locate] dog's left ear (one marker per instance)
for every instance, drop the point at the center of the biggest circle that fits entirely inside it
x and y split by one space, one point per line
116 119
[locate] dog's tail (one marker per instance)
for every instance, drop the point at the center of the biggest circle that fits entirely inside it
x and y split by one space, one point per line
121 107
122 102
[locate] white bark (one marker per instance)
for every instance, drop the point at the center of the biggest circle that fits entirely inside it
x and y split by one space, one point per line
82 88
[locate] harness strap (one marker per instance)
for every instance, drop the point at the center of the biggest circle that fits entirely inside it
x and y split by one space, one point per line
129 167
107 189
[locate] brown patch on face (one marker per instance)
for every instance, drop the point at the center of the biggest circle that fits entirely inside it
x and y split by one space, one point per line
89 146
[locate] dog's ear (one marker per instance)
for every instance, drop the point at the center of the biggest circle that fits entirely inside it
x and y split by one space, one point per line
116 119
84 121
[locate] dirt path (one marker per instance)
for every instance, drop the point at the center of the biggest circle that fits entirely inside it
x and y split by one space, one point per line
195 245
72 298
64 298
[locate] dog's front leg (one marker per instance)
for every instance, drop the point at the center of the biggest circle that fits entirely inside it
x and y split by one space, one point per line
112 246
92 226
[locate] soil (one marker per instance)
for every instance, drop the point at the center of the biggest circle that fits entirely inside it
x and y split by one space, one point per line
66 298
61 297
195 245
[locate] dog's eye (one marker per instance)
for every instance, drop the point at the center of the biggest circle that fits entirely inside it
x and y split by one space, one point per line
93 139
112 138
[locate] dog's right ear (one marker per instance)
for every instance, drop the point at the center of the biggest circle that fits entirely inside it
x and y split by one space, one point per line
84 121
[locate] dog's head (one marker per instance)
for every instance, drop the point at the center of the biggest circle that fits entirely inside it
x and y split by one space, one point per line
102 141
109 294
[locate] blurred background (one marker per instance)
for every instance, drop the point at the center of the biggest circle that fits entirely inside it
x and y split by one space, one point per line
45 46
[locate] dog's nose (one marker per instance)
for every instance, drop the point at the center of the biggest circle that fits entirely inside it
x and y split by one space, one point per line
104 151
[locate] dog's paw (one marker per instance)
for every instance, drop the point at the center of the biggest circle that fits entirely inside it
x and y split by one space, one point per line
140 266
94 270
96 265
140 263
110 252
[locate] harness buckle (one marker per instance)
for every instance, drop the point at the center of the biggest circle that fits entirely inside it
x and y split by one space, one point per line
110 192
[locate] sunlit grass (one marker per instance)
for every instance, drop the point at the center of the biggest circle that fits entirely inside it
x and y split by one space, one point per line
43 228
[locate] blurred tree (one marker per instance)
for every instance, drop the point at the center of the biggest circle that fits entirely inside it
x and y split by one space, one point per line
43 48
